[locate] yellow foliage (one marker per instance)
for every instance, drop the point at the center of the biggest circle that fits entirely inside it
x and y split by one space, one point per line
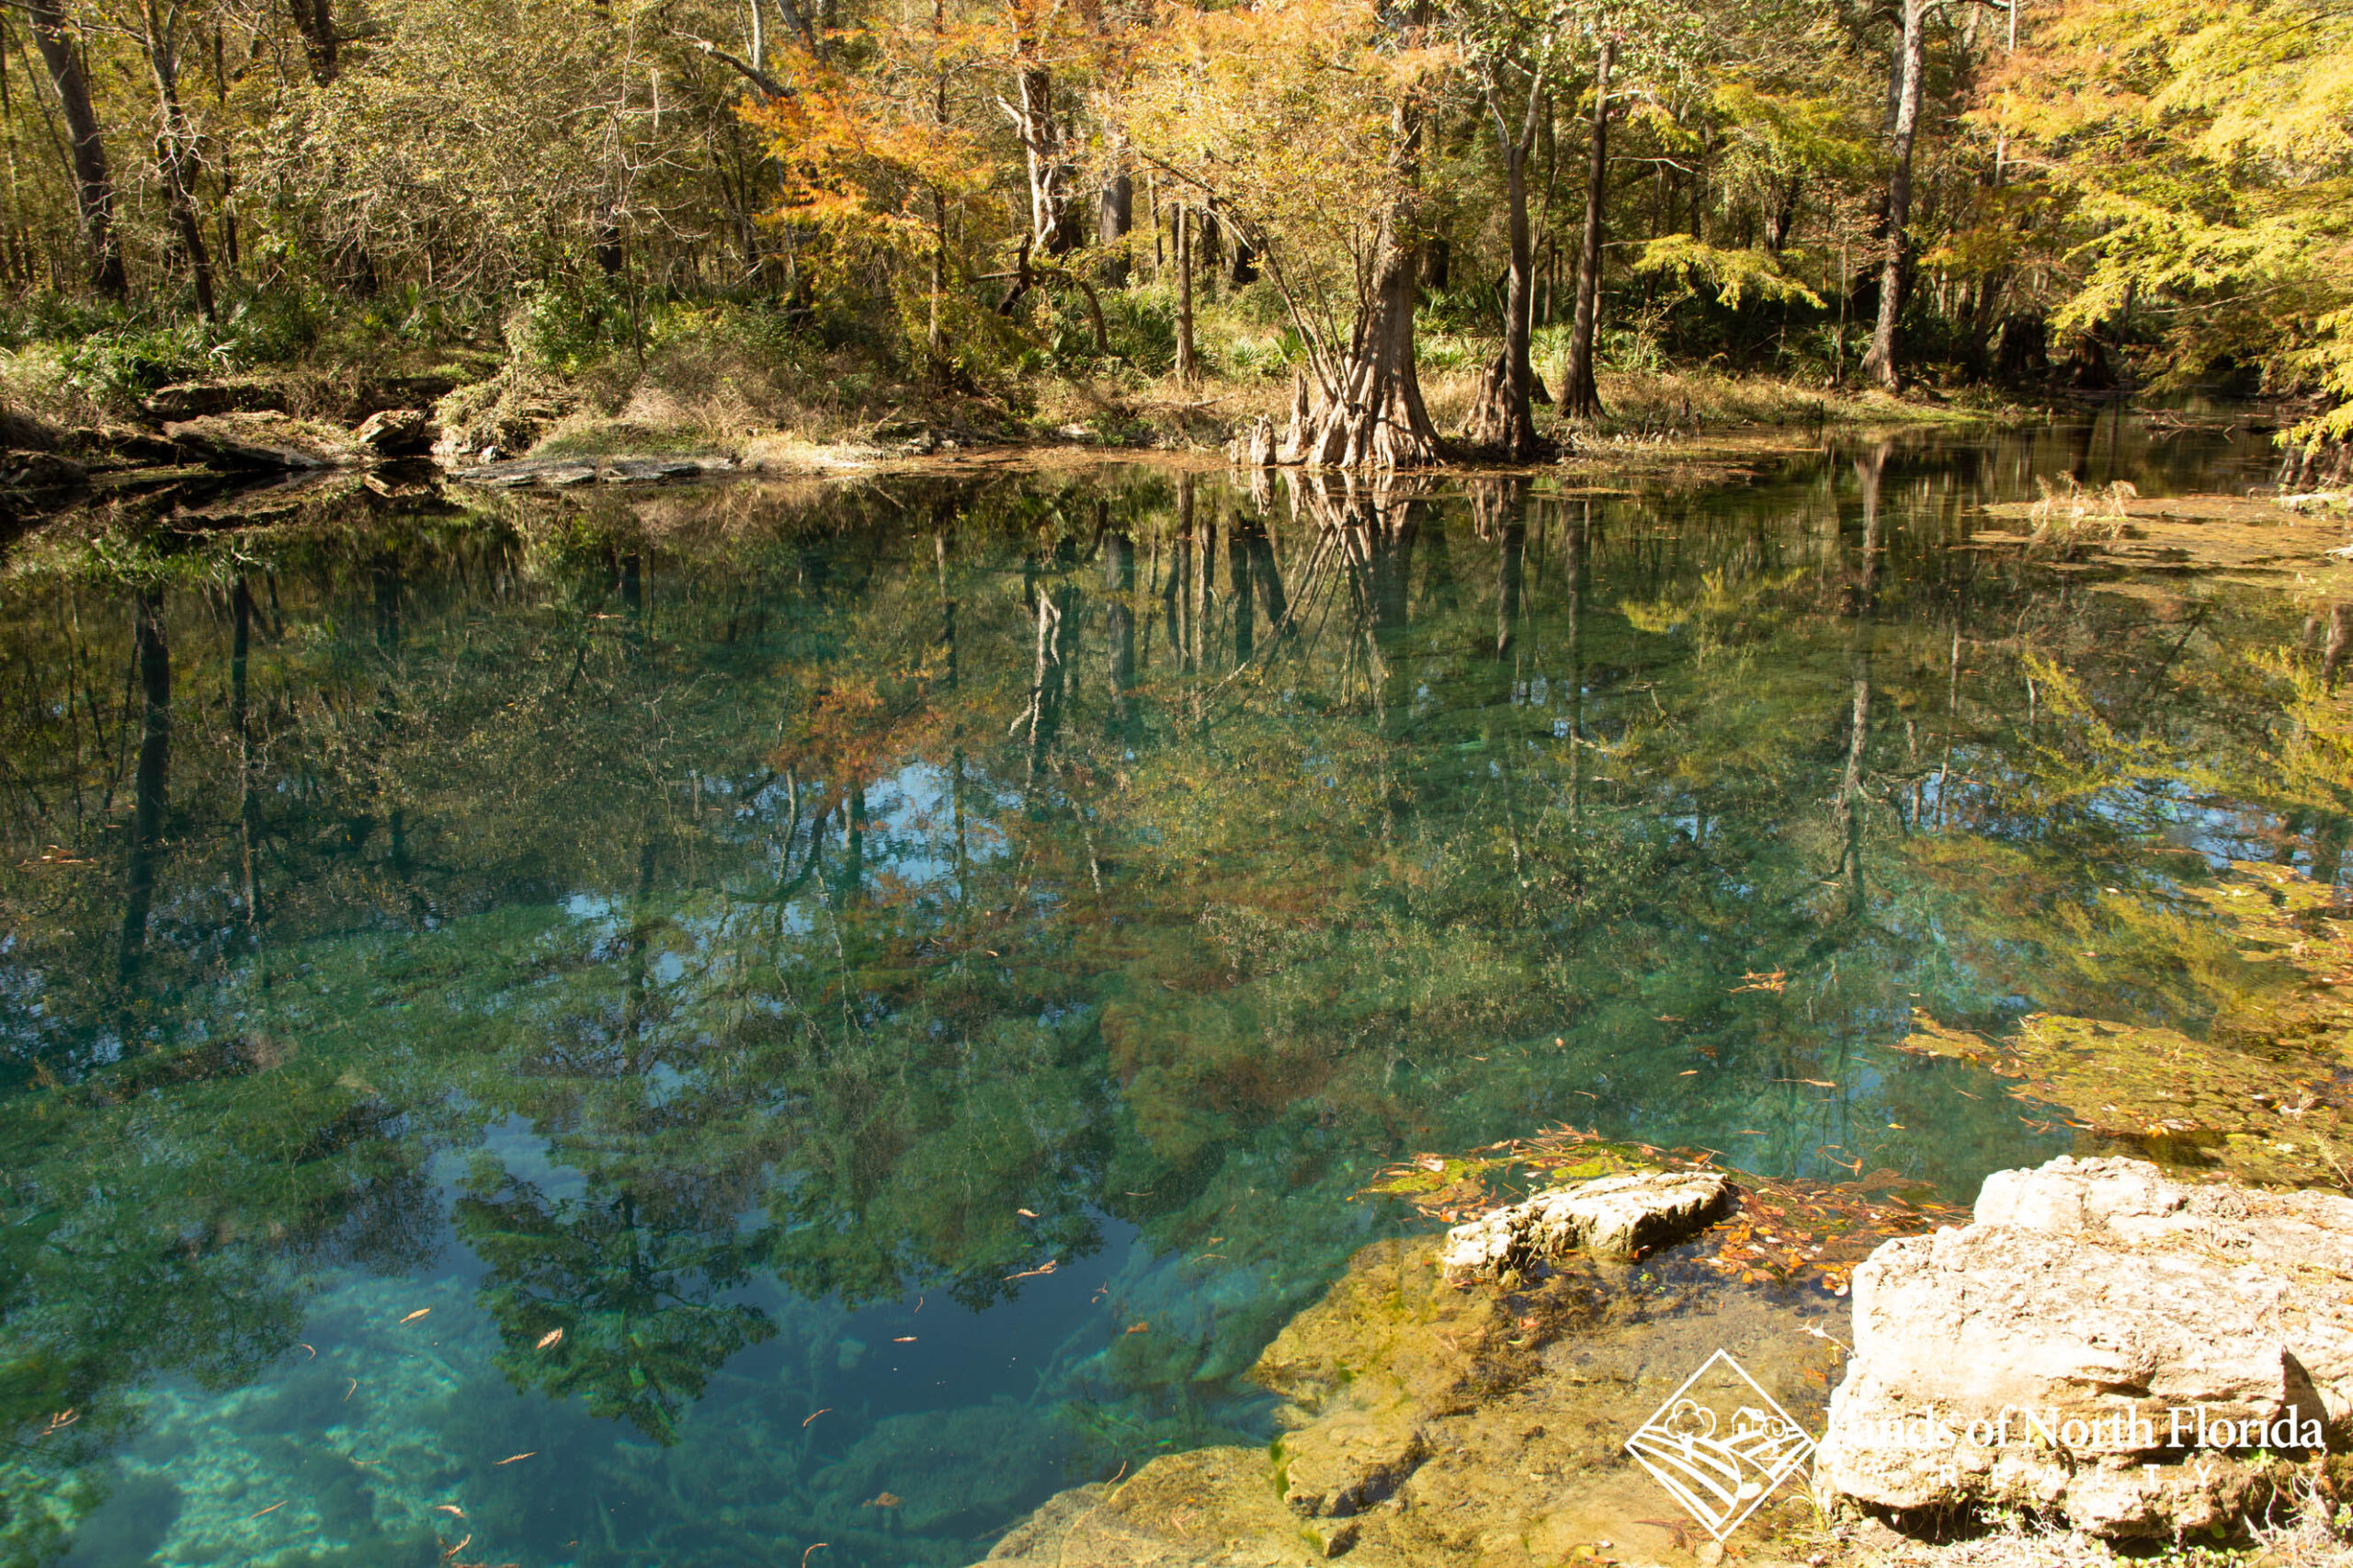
1286 114
2203 153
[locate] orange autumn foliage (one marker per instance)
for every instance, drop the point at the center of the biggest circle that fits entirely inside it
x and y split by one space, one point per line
862 156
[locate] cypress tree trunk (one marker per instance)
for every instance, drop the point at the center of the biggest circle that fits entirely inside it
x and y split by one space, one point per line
1504 416
1051 226
1884 362
1374 417
1580 398
92 186
1370 413
1114 217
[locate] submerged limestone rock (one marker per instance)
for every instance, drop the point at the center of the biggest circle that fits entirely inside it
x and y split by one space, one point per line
1425 1427
1177 1512
1620 1216
942 1471
2102 1343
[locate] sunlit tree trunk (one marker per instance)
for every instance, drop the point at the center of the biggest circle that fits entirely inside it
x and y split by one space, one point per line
1580 397
1368 410
1053 229
1884 362
176 152
1115 210
933 338
1373 417
93 184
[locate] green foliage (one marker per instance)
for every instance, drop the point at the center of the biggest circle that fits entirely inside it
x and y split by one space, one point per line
124 364
1731 275
567 322
1466 308
2200 156
1138 322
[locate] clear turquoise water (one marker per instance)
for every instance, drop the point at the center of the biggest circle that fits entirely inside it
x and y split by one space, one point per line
908 982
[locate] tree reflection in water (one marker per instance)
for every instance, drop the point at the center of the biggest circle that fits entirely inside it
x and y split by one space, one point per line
800 947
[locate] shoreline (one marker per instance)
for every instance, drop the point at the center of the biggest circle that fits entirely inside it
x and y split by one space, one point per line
56 442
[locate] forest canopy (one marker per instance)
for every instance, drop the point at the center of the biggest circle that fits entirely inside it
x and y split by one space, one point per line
1339 198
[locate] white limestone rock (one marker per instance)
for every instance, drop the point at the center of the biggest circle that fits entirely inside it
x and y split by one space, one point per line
1620 1216
2098 1292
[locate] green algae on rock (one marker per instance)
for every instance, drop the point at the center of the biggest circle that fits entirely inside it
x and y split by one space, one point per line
1429 1425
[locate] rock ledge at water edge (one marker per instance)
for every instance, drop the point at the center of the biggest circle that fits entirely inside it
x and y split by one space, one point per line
2101 1297
1620 1216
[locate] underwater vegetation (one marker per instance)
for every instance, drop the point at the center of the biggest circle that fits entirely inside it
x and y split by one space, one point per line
684 1027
